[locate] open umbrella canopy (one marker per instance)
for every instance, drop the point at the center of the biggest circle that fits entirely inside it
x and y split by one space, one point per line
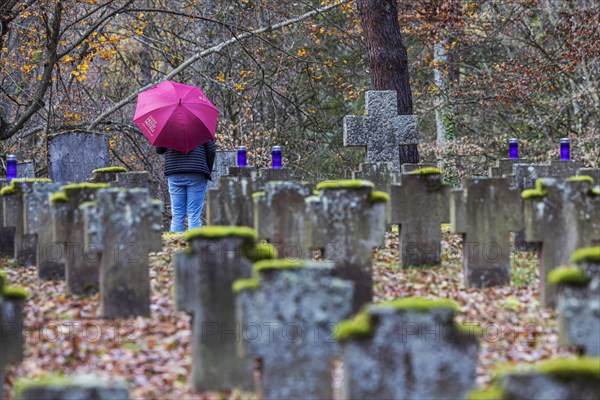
176 116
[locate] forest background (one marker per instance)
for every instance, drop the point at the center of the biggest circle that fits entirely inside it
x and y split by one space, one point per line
287 72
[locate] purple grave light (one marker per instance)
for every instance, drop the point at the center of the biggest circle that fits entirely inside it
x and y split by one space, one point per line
565 149
241 156
513 149
276 157
11 167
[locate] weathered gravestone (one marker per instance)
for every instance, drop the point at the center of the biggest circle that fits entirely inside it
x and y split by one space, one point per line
504 166
72 156
407 348
347 221
82 262
204 272
13 199
382 130
280 218
230 203
485 211
288 312
106 175
7 234
578 301
124 225
381 174
420 205
592 172
78 387
119 177
557 379
12 300
561 216
26 169
223 160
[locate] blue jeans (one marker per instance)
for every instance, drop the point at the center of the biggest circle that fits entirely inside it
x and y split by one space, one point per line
187 197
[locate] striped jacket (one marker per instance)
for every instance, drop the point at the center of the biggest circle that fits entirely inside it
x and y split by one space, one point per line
200 160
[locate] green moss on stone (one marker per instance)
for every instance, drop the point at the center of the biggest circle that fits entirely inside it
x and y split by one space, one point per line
262 251
492 393
588 367
54 380
582 178
595 191
256 195
426 171
591 254
277 264
245 284
3 280
14 292
89 203
30 180
359 327
470 329
538 192
219 232
316 192
379 197
109 169
345 184
86 185
59 197
418 304
8 190
568 276
189 251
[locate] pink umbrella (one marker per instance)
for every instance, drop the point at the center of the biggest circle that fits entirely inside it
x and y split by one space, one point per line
176 116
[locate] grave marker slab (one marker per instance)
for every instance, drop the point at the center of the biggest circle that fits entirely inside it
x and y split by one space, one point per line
7 234
593 172
348 220
382 130
223 160
230 203
485 212
420 205
77 387
289 312
26 169
504 166
72 156
381 174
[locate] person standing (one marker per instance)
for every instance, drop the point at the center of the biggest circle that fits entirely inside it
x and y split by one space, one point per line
188 175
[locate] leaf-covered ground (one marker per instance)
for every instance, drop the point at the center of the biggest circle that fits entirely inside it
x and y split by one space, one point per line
65 335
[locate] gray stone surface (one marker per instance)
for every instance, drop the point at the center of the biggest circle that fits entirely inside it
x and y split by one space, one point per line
593 172
346 225
419 206
81 387
536 385
485 212
288 322
230 203
382 130
578 308
566 218
125 224
26 169
280 218
204 275
72 156
7 234
223 160
504 166
381 174
409 355
11 332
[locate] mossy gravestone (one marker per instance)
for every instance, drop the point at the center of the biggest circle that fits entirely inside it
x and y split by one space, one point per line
12 300
578 301
216 256
557 379
419 206
485 211
382 131
280 218
407 348
7 233
223 160
125 225
72 156
348 220
79 387
504 167
230 203
82 262
382 174
287 314
13 199
561 216
106 175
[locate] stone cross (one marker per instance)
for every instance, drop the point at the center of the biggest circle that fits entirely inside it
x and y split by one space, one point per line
60 387
382 130
578 301
7 234
82 262
348 220
288 313
419 206
204 273
72 156
125 224
485 212
407 348
561 216
280 218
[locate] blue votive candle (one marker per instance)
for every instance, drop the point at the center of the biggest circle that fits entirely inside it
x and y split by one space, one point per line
565 149
11 167
241 156
276 157
513 149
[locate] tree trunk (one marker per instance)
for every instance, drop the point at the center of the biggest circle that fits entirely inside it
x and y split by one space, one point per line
388 59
